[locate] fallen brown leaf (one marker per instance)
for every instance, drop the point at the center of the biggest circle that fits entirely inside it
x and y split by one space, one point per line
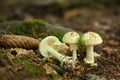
112 43
19 51
49 69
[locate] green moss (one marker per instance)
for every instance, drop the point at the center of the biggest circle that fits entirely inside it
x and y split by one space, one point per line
2 19
35 22
55 76
34 69
22 60
29 66
31 27
4 56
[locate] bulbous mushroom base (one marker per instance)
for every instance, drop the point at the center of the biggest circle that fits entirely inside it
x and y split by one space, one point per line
88 61
68 63
91 62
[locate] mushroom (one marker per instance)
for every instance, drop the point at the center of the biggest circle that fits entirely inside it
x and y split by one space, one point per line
91 39
72 38
47 50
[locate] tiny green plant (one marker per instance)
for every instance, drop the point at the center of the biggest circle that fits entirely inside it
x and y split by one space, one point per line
80 40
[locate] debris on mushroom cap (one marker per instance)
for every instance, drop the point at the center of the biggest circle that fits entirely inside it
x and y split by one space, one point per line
58 46
63 48
92 38
71 37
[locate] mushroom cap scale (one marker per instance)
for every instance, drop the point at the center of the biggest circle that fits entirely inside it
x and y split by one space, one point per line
71 37
46 43
91 38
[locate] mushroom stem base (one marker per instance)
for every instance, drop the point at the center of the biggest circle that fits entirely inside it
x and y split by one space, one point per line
68 63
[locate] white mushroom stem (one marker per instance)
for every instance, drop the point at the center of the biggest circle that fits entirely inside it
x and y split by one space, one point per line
54 53
90 54
66 62
73 48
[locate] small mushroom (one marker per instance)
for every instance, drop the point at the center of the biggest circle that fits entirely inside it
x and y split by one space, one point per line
47 50
72 38
91 39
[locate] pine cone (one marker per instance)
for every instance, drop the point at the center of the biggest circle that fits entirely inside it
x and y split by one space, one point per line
15 41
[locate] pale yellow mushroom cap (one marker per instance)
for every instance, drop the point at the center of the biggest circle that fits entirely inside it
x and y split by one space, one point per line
92 38
71 37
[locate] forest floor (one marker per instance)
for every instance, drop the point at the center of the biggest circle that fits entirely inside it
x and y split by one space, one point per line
33 66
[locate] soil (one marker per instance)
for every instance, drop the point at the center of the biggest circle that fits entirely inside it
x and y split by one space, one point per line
33 66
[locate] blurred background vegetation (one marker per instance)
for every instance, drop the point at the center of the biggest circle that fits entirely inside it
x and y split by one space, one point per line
16 8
